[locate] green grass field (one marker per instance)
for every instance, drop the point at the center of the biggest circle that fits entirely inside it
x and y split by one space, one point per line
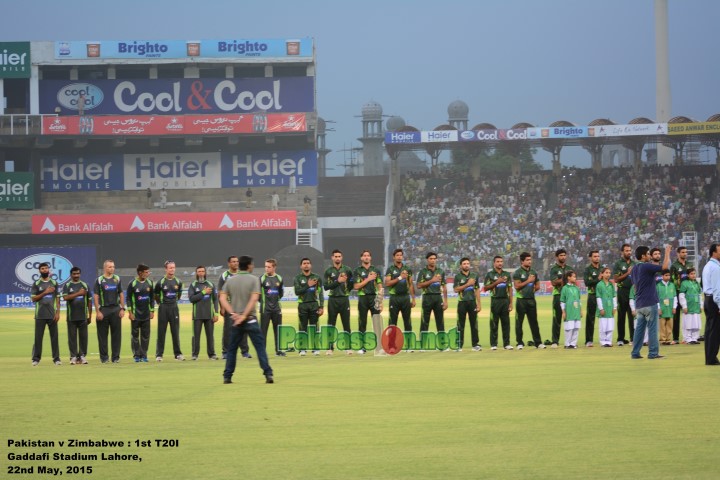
588 413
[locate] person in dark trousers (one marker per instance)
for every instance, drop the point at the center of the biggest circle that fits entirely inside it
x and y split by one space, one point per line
47 314
399 281
272 291
646 300
239 297
141 310
592 278
76 294
204 299
308 288
431 280
497 282
233 269
679 273
109 301
557 279
711 303
167 292
338 281
367 280
467 286
623 282
526 282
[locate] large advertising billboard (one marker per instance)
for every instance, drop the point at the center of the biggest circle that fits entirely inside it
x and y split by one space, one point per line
15 60
17 191
179 96
164 222
154 49
178 171
20 269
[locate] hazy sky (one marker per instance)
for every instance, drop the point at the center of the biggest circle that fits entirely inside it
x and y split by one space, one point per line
509 60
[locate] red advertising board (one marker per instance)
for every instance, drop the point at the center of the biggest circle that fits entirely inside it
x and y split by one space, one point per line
141 125
164 222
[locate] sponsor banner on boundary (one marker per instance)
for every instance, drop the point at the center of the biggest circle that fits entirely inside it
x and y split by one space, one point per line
628 130
17 190
164 222
20 269
493 135
158 125
697 128
402 137
178 96
233 48
434 136
537 133
269 169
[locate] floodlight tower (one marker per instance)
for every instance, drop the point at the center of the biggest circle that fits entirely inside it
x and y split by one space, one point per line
662 76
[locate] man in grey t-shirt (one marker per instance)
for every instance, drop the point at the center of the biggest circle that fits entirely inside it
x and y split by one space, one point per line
244 292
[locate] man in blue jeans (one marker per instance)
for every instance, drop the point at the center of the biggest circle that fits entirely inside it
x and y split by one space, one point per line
244 292
646 300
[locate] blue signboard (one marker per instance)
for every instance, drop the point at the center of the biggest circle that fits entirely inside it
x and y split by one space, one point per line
180 96
269 169
232 47
20 267
402 137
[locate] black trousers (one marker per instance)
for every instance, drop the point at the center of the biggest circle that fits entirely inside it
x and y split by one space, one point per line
712 331
140 337
556 319
432 304
77 331
366 303
276 319
168 315
590 314
676 321
198 325
499 313
227 326
401 304
40 333
111 322
623 310
339 306
467 309
526 307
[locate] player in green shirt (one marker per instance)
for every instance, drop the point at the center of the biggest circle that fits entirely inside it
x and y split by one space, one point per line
621 274
679 273
308 288
368 283
526 282
338 280
691 300
571 309
592 279
467 286
497 282
557 279
399 281
434 300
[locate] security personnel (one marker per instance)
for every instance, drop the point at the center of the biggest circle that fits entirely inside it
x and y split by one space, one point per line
204 298
368 283
338 280
76 294
272 290
47 313
167 292
109 301
141 309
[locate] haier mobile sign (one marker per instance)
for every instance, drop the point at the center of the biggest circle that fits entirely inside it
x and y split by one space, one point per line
183 96
270 169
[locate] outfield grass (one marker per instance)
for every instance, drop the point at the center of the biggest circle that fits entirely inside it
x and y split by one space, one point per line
588 413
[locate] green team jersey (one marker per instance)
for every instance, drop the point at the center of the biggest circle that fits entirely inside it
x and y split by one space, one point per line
528 291
426 274
361 274
692 290
570 296
467 295
620 268
308 294
330 281
501 290
592 278
631 296
678 272
606 293
401 287
77 308
558 272
667 295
